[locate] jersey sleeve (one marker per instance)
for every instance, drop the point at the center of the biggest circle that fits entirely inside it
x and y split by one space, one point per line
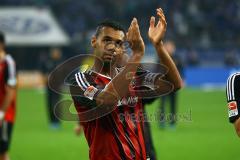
83 93
10 72
233 97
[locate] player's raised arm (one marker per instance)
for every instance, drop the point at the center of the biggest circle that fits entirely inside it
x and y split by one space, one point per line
156 34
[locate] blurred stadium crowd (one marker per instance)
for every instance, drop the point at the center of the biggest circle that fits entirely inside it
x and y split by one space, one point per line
204 30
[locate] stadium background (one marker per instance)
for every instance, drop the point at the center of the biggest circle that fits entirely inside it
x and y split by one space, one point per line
207 40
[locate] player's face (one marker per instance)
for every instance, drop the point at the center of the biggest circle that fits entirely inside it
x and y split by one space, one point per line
109 45
1 46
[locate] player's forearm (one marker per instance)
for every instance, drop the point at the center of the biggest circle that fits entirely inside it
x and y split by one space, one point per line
8 99
172 75
118 87
237 127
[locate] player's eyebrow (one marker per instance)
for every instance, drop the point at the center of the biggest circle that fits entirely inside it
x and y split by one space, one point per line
111 38
107 37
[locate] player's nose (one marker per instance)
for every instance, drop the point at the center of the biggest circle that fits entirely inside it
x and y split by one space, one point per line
111 47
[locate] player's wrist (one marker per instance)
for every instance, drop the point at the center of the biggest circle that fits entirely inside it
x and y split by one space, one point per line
2 114
158 44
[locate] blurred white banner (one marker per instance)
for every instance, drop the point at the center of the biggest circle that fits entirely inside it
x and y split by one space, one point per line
27 26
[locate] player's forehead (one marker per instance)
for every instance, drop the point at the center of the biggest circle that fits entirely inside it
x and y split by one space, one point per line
112 33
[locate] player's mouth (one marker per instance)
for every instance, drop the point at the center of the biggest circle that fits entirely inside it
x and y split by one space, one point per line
109 56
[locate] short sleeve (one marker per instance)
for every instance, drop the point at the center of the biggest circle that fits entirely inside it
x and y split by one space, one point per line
10 72
233 97
83 92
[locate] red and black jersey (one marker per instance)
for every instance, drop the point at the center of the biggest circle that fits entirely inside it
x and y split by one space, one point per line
117 135
8 77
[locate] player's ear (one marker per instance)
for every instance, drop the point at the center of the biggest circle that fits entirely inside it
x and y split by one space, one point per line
94 41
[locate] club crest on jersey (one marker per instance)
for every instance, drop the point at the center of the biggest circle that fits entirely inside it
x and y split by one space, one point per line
90 92
232 109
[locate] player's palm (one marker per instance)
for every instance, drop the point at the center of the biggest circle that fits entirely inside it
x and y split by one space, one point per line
157 32
135 39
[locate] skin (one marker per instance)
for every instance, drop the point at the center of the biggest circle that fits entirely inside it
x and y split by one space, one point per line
107 55
10 93
237 126
170 47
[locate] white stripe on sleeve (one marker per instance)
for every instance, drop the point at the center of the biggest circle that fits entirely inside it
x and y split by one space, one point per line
12 80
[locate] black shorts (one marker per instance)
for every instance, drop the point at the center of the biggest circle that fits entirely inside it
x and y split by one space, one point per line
5 136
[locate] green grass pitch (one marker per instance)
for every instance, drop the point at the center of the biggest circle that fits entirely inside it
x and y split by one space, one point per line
207 136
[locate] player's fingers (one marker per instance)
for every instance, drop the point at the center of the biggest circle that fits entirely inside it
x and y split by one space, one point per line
160 13
128 35
135 23
127 38
130 30
135 26
159 20
159 10
152 22
136 30
162 20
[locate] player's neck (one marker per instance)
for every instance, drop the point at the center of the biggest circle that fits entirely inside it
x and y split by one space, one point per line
105 69
2 54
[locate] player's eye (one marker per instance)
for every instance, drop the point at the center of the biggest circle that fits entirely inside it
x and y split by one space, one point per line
119 43
107 40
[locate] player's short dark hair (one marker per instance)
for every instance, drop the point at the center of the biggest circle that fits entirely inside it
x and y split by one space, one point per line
109 23
2 37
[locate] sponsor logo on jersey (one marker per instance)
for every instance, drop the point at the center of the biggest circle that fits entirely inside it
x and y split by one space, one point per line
128 101
232 109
